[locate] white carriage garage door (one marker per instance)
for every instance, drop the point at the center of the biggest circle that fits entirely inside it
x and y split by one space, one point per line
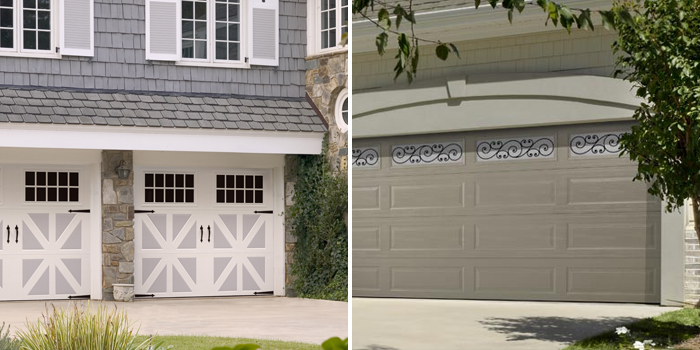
545 213
44 250
210 232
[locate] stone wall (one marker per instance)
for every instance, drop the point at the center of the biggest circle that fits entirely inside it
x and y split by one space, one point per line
290 239
326 77
117 222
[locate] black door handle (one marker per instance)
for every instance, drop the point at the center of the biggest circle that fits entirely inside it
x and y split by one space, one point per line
8 233
17 235
209 237
201 229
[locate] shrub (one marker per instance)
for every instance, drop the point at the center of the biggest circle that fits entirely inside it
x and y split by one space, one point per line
82 328
317 219
6 342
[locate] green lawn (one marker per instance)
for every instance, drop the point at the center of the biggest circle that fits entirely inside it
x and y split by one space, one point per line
667 329
207 343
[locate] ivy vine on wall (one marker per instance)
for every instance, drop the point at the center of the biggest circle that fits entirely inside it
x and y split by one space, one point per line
318 220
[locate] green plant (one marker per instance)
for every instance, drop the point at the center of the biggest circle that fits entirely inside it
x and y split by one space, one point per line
335 343
82 328
6 342
317 220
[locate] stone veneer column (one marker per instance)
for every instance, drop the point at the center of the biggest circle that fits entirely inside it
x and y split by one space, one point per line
326 77
117 222
289 239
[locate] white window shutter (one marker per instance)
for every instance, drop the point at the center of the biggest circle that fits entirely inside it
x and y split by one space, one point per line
162 17
77 27
264 32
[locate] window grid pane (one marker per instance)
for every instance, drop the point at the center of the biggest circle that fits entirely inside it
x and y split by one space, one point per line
7 24
36 25
344 19
239 189
228 30
328 23
51 186
169 188
194 29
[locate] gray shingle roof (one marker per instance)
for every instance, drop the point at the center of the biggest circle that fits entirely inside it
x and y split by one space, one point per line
140 109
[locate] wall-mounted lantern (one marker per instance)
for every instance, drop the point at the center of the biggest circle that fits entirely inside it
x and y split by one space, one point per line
122 171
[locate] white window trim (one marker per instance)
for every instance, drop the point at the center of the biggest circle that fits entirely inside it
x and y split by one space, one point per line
313 31
339 111
211 61
18 51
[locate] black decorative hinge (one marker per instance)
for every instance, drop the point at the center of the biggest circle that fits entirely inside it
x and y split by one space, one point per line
263 212
144 295
264 293
79 211
144 211
78 297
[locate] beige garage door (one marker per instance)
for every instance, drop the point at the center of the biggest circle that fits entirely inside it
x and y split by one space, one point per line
529 214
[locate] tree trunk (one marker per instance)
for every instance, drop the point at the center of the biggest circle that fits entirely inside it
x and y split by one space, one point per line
696 215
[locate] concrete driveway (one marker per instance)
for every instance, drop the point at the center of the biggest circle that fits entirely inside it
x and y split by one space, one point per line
289 319
415 324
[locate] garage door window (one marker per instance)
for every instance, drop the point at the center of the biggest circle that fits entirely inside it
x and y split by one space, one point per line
239 189
169 188
51 186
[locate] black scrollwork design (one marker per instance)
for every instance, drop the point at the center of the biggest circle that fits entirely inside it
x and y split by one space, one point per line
595 144
364 157
514 149
437 152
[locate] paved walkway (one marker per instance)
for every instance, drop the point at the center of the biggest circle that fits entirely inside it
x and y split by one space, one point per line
414 324
289 319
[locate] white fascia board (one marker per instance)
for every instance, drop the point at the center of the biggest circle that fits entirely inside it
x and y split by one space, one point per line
468 23
152 139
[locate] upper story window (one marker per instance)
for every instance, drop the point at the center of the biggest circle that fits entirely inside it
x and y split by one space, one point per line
28 27
326 25
211 31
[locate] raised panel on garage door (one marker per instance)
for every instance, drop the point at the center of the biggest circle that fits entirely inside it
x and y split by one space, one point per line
547 213
212 244
44 249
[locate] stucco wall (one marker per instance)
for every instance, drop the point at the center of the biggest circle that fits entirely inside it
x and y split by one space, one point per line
579 53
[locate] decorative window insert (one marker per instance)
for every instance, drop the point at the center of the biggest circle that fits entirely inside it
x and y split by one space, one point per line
239 189
515 148
427 153
211 31
169 188
365 158
595 144
51 186
27 26
334 22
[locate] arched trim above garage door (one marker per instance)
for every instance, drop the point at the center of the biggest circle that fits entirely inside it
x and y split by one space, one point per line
480 102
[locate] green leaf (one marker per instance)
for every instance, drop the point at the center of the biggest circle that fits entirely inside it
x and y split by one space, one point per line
553 11
543 4
520 5
382 41
414 60
493 3
399 12
477 3
566 18
510 16
384 19
441 51
454 49
608 19
334 343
